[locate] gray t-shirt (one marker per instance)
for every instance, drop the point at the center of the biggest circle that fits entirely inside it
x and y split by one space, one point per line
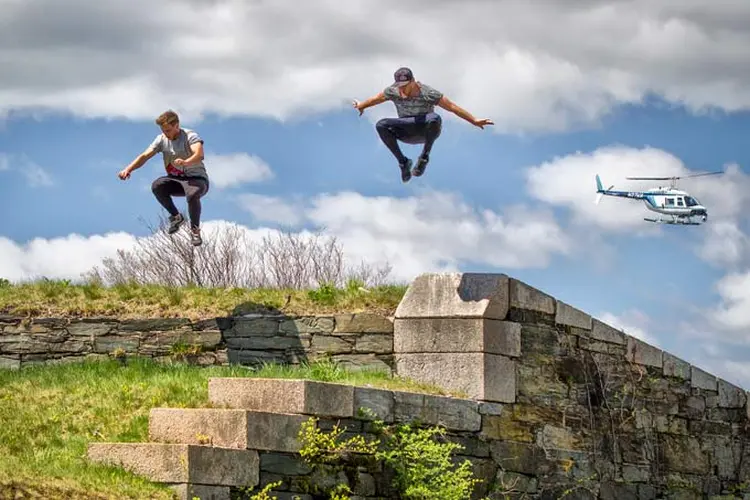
179 148
421 104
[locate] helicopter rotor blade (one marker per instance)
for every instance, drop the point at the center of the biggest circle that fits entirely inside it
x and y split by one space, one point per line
675 177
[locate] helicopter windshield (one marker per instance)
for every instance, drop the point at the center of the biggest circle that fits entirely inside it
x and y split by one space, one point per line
691 202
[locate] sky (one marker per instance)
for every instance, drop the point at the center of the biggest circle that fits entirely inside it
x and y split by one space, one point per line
577 88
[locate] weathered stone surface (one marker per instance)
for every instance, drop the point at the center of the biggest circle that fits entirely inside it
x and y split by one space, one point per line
178 463
260 343
486 377
362 323
675 367
257 326
201 491
452 413
642 353
425 335
27 328
606 333
332 344
683 454
379 403
308 324
730 396
702 379
146 325
89 329
110 343
523 296
456 295
568 315
224 428
283 396
12 362
378 343
279 463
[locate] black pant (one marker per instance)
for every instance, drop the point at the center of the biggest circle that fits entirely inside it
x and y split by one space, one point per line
420 129
192 188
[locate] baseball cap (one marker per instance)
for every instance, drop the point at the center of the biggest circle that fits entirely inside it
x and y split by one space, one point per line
402 76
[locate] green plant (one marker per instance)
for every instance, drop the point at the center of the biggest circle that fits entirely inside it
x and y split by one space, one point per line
5 283
420 458
326 294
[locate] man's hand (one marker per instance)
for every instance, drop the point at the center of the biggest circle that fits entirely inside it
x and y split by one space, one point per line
124 174
357 106
481 123
179 162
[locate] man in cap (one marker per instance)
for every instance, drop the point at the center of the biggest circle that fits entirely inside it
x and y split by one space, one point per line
417 122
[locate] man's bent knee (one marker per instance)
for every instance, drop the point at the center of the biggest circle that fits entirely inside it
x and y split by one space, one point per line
382 124
158 185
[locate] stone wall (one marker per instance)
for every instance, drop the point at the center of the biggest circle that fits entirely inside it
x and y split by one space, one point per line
559 404
583 405
352 339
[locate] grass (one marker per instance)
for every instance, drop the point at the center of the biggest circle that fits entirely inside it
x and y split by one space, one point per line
50 413
60 298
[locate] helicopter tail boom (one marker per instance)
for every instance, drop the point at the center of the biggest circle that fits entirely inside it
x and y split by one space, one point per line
600 192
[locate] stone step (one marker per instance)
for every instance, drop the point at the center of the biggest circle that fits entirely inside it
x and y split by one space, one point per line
305 397
181 464
330 401
226 428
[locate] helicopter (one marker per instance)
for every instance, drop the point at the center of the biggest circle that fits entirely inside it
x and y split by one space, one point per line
678 206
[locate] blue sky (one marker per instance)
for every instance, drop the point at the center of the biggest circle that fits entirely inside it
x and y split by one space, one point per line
328 168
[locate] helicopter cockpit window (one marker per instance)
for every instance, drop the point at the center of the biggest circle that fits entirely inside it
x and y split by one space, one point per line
690 201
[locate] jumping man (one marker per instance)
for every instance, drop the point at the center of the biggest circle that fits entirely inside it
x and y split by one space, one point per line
182 151
417 122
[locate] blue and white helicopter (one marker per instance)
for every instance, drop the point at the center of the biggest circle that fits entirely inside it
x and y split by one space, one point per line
678 206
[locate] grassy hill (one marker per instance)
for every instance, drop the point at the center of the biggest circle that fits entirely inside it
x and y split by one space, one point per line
51 413
56 298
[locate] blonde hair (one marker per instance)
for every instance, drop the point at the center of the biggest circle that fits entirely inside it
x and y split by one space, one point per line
169 117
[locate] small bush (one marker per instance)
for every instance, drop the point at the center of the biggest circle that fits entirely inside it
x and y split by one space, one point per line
421 461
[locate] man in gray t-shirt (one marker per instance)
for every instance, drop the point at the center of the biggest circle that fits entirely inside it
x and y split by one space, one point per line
182 152
417 122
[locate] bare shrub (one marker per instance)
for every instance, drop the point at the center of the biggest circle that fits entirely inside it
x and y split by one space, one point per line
231 257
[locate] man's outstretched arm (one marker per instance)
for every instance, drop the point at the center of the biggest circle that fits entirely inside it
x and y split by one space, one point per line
454 108
378 98
139 161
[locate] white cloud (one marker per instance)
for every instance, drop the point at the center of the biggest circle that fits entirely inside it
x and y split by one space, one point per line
58 258
234 169
35 175
436 231
725 244
270 209
733 311
523 64
633 322
431 232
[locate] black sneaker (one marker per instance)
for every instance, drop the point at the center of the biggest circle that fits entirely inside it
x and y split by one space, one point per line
405 170
195 237
174 223
421 165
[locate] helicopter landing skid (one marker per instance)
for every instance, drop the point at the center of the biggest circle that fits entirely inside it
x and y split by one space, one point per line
675 221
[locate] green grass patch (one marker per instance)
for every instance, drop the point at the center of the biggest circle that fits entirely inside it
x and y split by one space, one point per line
51 413
61 298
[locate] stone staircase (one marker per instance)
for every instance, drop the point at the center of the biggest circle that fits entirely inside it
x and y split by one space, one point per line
248 438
